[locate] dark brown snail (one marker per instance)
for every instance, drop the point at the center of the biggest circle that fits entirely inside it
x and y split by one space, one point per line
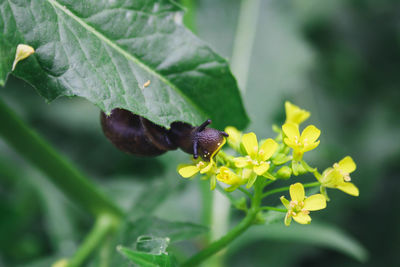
136 135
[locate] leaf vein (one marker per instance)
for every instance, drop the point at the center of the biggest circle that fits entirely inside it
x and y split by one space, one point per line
124 53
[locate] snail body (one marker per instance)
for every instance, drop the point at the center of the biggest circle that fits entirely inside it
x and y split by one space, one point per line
136 135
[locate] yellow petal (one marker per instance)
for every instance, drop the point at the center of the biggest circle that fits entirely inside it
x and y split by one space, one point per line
310 134
310 147
23 51
297 192
289 107
246 173
228 177
267 149
187 170
290 143
241 162
331 178
234 135
302 218
315 202
252 180
285 202
261 169
291 130
288 219
295 114
250 143
208 167
347 165
349 188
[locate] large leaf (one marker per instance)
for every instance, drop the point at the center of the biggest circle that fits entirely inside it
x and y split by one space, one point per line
106 51
147 260
321 235
175 231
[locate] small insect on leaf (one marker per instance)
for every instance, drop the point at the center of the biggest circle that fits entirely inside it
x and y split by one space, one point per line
23 51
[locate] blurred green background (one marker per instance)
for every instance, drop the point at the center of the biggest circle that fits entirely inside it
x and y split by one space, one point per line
339 59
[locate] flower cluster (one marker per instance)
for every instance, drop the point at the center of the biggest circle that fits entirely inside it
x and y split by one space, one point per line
258 163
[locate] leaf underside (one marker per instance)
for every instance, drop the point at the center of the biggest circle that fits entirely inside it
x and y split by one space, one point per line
107 51
147 260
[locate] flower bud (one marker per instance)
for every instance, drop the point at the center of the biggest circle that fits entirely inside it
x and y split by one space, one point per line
241 204
281 158
285 172
298 168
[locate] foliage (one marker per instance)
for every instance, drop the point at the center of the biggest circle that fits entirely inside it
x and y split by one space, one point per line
134 55
337 59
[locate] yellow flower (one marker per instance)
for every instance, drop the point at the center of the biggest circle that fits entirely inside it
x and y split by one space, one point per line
294 114
300 143
300 206
189 170
202 167
234 137
339 176
257 157
228 177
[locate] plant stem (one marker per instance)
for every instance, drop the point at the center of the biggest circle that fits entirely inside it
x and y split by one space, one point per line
244 191
189 19
207 201
244 40
273 208
286 188
243 45
101 229
221 243
61 172
233 233
267 183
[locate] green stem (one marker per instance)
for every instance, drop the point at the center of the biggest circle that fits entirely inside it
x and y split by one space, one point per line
273 208
233 233
105 252
286 188
221 243
244 191
61 172
244 40
101 229
267 183
189 19
207 200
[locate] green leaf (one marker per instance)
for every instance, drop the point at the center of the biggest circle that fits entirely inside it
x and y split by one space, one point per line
147 260
106 51
159 191
7 52
157 231
175 231
152 245
321 235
